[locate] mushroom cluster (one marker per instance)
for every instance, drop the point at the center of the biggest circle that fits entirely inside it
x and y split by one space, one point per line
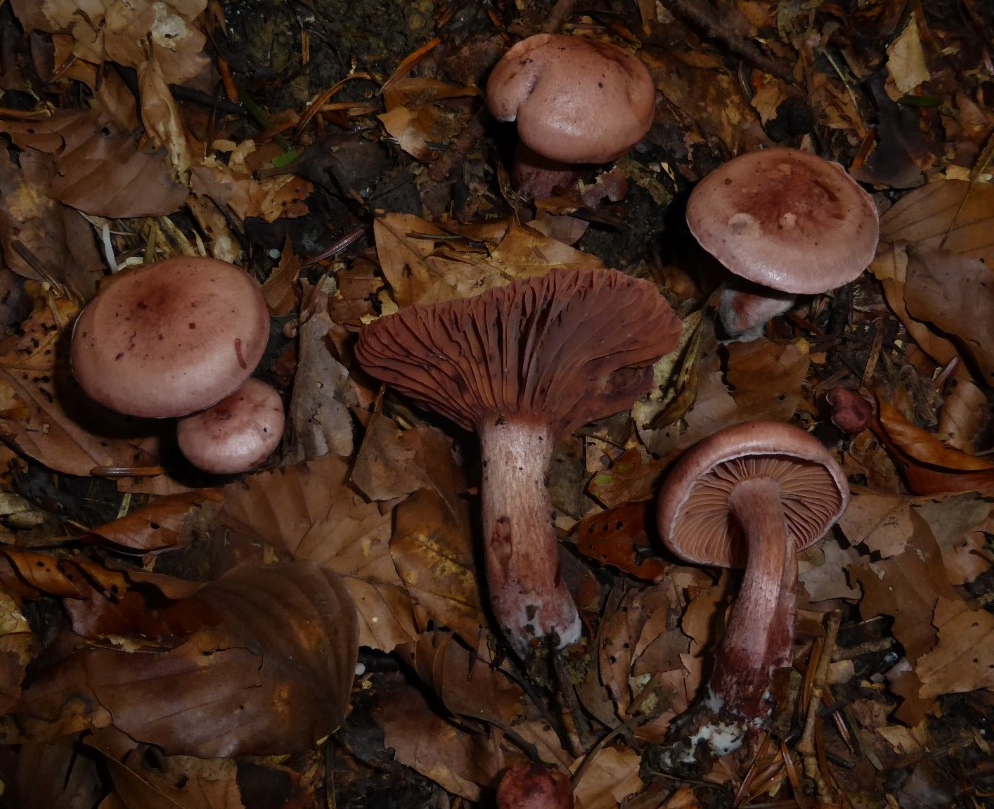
524 365
750 496
183 337
784 223
576 101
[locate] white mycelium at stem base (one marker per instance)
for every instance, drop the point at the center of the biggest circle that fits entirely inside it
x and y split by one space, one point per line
527 593
759 636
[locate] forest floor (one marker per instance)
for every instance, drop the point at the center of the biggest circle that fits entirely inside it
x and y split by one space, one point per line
175 639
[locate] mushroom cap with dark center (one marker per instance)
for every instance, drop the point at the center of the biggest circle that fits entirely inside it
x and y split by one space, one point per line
785 219
693 513
170 339
566 348
235 435
575 100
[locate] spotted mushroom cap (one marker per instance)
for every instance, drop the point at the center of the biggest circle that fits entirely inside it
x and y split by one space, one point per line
171 338
785 219
575 100
693 513
566 348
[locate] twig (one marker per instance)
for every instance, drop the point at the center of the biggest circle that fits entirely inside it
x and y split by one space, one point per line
806 746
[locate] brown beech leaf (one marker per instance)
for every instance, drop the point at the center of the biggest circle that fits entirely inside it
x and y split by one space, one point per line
619 537
262 664
42 776
963 659
164 523
319 416
18 647
766 378
100 169
46 416
633 476
907 587
145 778
106 32
956 295
432 547
612 776
468 684
463 763
952 215
928 466
393 462
310 510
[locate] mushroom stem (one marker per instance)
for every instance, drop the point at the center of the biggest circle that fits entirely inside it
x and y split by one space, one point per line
760 632
536 177
527 594
744 315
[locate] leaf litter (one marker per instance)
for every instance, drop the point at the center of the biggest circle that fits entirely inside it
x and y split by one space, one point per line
198 622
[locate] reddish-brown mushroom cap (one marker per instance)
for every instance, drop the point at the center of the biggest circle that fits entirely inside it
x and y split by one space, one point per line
170 339
693 512
785 219
235 435
575 100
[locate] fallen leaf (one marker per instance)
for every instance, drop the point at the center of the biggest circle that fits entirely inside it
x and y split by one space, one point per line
956 295
463 763
263 665
432 547
963 658
309 510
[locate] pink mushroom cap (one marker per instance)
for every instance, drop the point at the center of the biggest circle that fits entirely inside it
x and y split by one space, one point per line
235 435
170 339
575 100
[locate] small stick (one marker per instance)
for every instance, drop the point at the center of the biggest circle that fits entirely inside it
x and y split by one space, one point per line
806 746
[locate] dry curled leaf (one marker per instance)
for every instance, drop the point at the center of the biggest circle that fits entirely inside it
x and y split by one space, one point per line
310 510
258 662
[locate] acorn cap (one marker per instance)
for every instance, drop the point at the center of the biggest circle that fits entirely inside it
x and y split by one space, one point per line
575 100
785 219
693 512
171 338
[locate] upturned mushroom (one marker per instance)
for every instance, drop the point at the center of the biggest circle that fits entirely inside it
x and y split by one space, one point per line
171 338
751 496
235 435
524 365
784 223
576 101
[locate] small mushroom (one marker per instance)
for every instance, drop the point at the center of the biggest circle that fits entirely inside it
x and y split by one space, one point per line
171 338
524 365
575 100
235 435
784 223
751 496
534 786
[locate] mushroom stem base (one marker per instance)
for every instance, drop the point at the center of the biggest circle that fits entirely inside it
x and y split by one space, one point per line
527 594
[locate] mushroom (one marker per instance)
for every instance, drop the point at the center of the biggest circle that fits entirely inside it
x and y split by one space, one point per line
575 100
524 365
171 338
534 786
785 223
751 495
235 435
